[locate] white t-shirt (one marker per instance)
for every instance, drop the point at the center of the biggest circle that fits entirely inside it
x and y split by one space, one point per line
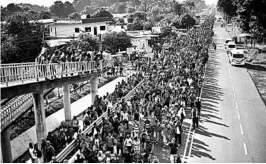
189 80
128 142
124 116
31 150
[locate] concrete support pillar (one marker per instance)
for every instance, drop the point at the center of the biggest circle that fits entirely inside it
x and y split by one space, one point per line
6 147
66 98
39 112
94 89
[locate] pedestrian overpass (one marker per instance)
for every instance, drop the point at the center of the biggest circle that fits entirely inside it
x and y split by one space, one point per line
24 85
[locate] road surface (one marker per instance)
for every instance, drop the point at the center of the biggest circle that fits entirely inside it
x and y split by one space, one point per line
233 120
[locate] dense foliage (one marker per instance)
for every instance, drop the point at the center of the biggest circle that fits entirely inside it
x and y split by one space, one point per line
251 15
39 12
62 10
20 40
101 13
113 42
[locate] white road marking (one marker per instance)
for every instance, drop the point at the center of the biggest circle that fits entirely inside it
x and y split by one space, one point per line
191 125
234 92
236 105
245 148
188 136
189 153
238 115
241 129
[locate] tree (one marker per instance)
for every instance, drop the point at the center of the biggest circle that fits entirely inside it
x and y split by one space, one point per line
21 39
68 8
33 7
62 10
130 10
121 8
58 9
177 8
176 22
45 15
252 16
88 43
74 15
114 41
80 5
102 13
186 21
190 4
9 10
227 7
88 10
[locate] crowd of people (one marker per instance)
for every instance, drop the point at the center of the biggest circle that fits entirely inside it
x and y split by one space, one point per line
154 114
56 142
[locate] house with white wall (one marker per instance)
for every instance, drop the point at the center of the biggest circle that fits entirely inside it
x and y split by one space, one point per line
72 28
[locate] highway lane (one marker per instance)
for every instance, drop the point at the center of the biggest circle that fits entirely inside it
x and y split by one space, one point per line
233 120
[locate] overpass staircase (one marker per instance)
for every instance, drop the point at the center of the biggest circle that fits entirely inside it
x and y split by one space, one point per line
16 107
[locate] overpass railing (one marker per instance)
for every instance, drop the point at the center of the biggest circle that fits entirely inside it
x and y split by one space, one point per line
21 73
17 106
12 110
18 64
70 147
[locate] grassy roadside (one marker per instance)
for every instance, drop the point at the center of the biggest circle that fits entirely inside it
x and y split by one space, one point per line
259 79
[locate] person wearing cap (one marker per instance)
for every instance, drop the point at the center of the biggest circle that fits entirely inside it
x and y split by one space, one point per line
50 152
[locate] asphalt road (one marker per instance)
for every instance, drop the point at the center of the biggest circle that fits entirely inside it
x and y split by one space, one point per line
233 120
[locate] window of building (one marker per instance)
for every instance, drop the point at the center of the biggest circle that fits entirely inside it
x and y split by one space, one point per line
77 30
51 29
87 29
102 28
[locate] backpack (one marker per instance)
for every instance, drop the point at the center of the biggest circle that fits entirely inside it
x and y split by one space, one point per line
194 113
39 153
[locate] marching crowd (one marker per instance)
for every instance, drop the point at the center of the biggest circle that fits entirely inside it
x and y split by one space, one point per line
154 114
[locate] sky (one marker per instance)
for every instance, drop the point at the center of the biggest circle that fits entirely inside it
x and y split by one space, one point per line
48 3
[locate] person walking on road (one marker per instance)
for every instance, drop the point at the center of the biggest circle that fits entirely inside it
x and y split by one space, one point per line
195 117
174 155
198 105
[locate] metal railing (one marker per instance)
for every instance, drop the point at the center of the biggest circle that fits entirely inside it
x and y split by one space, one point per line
15 107
18 64
70 147
12 109
21 73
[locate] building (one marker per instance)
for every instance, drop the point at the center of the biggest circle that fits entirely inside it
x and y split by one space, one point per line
72 28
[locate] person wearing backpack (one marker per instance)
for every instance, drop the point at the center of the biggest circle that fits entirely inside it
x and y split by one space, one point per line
38 154
32 152
195 117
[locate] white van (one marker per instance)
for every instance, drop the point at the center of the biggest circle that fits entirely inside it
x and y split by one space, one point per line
229 27
226 41
230 46
237 57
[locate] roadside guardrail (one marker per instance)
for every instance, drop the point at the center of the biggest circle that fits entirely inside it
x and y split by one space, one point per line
70 147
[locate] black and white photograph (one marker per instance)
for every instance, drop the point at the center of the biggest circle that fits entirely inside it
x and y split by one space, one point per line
133 81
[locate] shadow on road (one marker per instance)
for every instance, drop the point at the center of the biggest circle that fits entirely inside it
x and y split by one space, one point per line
211 95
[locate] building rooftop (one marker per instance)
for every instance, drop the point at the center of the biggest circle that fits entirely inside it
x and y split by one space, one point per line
94 20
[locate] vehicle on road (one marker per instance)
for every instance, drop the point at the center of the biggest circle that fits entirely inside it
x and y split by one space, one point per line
237 57
230 46
228 27
226 42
